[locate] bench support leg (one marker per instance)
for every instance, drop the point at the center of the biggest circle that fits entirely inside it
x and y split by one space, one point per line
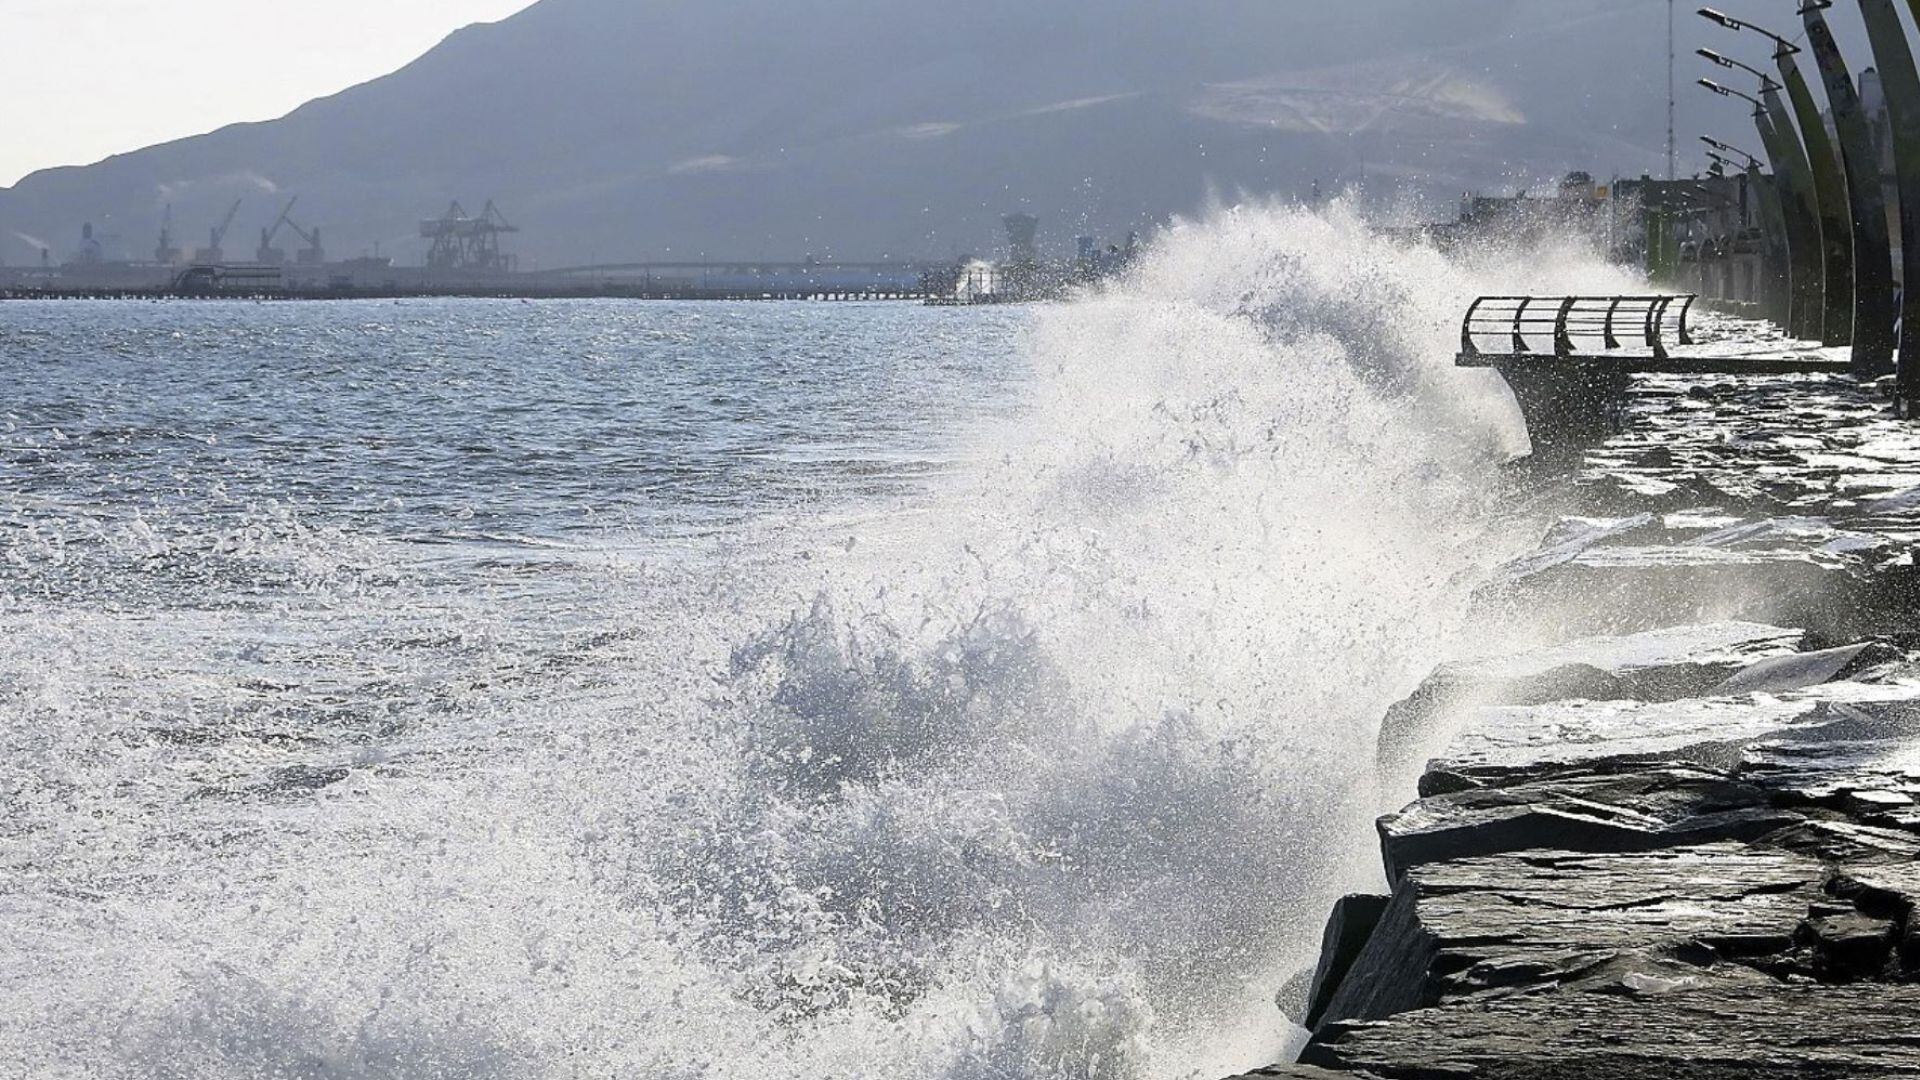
1568 406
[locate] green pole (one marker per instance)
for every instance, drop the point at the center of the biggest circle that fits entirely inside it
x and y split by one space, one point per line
1894 57
1873 300
1777 275
1830 192
1804 228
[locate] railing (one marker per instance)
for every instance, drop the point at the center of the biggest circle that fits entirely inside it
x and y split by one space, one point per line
1609 320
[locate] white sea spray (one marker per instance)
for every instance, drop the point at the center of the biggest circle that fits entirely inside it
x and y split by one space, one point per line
1050 774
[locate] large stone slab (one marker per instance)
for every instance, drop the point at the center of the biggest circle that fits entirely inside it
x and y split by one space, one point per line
1569 539
1496 744
1861 758
1756 447
1802 670
1291 1073
1840 841
1704 1031
1543 919
1587 811
1618 589
1655 665
1348 930
1789 547
1652 665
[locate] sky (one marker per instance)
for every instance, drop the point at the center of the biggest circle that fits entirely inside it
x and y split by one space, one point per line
91 78
863 127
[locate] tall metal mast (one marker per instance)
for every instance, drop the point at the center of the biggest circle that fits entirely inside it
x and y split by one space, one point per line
1673 156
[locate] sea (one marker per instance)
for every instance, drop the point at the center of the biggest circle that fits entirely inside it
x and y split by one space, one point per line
476 689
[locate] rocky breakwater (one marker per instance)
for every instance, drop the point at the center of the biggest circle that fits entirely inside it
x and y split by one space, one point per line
1684 841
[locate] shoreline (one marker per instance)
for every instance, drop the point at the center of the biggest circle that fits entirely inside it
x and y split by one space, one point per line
1685 839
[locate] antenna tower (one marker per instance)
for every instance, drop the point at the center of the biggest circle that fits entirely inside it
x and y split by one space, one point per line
1673 155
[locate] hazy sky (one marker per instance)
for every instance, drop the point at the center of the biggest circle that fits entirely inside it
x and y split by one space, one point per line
89 78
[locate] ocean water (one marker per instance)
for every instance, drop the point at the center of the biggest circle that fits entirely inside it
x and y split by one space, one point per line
484 689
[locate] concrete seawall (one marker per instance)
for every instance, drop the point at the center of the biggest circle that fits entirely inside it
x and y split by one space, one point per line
1684 839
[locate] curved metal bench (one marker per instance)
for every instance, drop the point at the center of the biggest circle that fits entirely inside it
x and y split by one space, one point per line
1568 358
1518 322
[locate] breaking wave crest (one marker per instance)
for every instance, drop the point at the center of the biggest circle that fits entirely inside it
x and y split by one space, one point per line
1050 776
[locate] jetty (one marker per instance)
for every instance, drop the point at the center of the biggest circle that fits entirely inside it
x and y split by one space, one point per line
1680 836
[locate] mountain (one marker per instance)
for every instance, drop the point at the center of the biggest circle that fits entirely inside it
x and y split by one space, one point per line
617 130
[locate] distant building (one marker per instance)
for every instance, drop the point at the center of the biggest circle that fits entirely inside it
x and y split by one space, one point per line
1024 275
1577 208
1701 234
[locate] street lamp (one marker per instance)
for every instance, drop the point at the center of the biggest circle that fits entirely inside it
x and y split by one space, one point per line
1728 91
1766 81
1725 148
1784 46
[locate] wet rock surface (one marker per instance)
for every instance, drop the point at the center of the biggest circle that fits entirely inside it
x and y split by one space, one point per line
1791 499
1727 1032
1667 664
1643 809
1685 842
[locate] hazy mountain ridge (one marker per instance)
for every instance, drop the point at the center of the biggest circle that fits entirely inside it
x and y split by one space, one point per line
614 130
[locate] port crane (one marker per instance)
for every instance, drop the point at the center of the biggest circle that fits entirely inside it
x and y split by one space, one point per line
463 242
268 255
213 252
314 254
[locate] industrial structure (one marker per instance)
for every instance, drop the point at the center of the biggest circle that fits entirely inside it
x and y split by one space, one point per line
166 252
314 253
463 242
465 256
215 251
268 255
91 249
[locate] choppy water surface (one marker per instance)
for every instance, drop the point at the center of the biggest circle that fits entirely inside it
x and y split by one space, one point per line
481 689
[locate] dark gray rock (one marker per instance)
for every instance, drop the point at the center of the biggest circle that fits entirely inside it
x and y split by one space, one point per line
1495 744
1861 758
1569 539
1847 842
1849 945
1643 810
1657 665
1294 1072
1885 889
1782 500
1393 972
1542 919
1348 930
1558 909
1620 589
1880 878
1714 1031
1801 670
1653 665
1757 448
